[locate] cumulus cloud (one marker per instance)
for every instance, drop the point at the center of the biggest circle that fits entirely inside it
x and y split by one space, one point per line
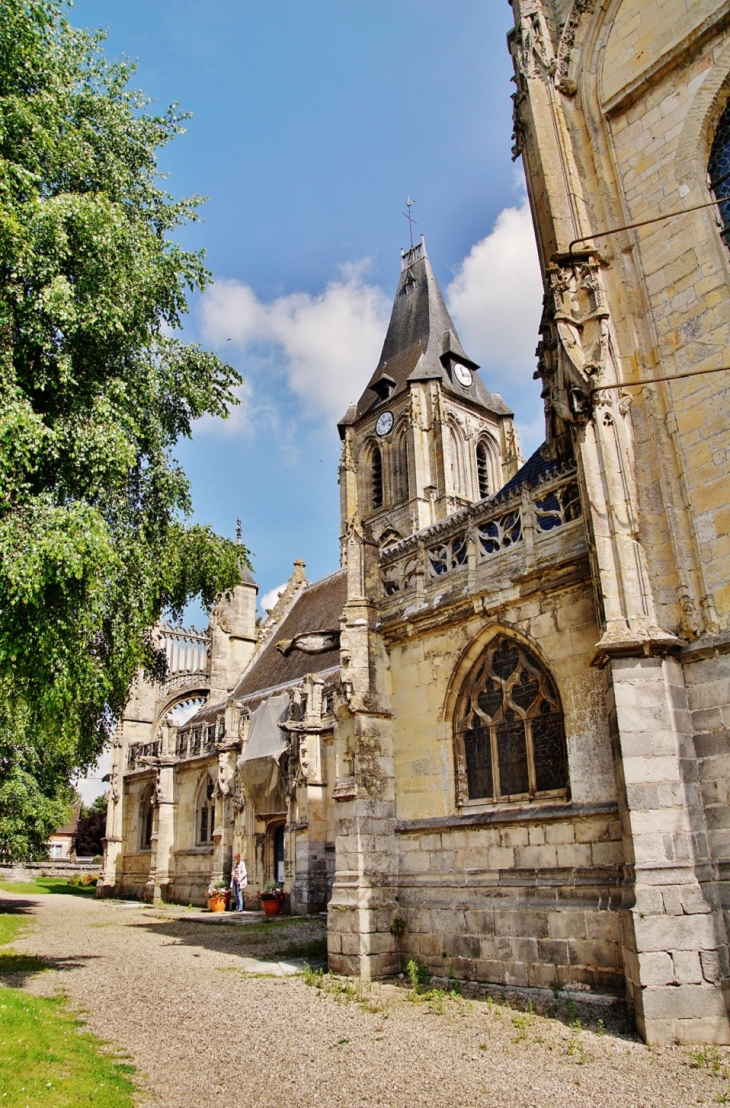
269 599
330 342
496 297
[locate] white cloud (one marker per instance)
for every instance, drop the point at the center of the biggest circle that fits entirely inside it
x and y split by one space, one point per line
330 342
269 599
496 298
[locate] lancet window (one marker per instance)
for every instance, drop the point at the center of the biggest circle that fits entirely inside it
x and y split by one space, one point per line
376 478
205 813
718 170
510 739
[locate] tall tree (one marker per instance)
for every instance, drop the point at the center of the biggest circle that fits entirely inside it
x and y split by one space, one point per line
96 389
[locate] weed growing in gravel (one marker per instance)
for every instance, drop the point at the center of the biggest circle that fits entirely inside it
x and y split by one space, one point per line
368 998
707 1058
418 975
46 1061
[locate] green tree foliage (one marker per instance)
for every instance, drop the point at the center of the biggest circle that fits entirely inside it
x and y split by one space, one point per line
96 389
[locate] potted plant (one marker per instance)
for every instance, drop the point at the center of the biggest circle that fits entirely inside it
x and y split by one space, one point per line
271 898
217 894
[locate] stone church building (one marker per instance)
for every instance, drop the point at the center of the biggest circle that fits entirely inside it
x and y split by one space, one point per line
496 739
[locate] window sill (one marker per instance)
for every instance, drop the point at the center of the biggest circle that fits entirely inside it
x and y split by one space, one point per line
195 850
524 813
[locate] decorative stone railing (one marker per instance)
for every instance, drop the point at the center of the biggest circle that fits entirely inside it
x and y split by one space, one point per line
186 649
138 751
198 740
482 531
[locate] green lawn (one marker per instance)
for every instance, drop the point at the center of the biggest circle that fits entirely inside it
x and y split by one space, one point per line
46 885
45 1060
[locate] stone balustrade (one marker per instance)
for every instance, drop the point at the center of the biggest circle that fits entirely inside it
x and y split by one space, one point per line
484 531
186 649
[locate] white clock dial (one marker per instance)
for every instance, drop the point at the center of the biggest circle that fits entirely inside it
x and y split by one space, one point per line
384 424
462 374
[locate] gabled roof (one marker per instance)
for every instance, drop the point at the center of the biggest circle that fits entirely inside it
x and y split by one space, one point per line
317 608
421 344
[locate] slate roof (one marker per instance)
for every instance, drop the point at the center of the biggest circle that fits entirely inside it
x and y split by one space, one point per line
317 608
535 469
421 344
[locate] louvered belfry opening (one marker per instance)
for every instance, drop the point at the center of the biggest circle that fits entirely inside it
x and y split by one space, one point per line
510 738
483 470
376 472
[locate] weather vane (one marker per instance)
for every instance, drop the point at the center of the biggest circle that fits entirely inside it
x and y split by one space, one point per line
409 217
238 532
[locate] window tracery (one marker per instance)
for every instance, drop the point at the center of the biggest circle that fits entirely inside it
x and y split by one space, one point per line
718 169
205 813
510 739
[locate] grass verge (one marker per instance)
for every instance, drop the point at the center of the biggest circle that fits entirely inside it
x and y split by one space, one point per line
46 1061
42 885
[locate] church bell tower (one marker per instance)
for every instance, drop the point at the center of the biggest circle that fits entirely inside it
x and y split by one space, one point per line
426 437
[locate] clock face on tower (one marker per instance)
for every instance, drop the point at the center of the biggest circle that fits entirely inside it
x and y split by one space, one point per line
462 374
384 424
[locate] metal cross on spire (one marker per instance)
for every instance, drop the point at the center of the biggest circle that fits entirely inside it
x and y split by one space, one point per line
409 217
238 532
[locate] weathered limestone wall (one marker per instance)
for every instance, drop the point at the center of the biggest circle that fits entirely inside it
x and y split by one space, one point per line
707 677
530 901
524 895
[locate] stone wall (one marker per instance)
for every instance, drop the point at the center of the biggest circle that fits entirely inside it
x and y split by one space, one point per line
531 899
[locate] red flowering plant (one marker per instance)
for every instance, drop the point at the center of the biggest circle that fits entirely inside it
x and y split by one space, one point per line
271 892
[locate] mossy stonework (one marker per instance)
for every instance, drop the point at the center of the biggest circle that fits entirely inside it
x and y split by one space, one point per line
494 742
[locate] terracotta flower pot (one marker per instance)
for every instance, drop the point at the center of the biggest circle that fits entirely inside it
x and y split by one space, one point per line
272 905
217 903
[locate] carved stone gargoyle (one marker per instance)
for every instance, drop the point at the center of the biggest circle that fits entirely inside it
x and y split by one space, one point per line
310 642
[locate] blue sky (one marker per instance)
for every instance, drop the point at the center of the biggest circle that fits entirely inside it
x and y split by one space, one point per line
313 121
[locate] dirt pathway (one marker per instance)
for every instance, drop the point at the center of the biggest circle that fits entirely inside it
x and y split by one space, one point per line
180 998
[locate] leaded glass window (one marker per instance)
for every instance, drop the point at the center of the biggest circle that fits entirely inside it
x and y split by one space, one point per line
510 741
718 169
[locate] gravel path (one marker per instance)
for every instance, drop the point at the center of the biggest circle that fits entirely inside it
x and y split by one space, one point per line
179 997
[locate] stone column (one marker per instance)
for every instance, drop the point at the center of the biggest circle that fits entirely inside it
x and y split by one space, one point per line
673 935
162 875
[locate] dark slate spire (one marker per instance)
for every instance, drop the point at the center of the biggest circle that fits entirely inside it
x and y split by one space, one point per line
421 343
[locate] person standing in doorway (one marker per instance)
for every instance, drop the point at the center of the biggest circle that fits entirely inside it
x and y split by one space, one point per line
239 881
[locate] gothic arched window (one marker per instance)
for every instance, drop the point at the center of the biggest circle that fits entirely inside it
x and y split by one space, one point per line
718 169
205 813
376 477
146 818
485 469
510 741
